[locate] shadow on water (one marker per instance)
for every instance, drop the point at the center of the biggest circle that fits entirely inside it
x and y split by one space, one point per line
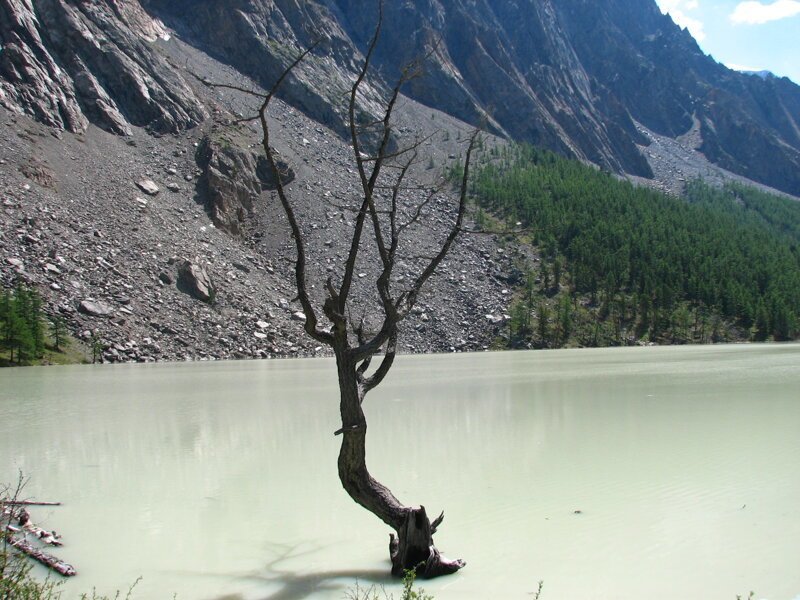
295 584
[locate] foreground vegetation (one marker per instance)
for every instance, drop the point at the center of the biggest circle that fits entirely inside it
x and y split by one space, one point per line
618 263
17 581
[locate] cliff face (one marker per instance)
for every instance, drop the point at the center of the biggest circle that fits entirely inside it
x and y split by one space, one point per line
68 63
511 63
260 38
573 75
749 125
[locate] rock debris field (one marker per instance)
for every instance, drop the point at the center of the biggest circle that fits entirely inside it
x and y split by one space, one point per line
117 234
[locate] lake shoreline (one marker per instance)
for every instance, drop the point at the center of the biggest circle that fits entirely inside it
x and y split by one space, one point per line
5 365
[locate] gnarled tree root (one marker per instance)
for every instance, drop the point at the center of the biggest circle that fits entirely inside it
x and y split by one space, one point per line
412 548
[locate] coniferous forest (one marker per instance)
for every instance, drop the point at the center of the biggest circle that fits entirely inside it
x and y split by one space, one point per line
21 326
619 263
27 334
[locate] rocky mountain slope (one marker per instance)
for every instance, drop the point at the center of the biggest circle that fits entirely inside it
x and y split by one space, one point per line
132 198
580 77
576 76
68 63
171 247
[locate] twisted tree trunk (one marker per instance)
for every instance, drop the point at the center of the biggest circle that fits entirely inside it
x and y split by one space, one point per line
411 546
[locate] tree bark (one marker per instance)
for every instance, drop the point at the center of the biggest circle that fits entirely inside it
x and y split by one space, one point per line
411 547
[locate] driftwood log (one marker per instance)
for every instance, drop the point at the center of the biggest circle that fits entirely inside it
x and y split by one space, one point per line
30 503
16 536
48 560
23 517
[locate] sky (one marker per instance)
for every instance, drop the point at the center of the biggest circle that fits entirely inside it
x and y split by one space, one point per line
745 35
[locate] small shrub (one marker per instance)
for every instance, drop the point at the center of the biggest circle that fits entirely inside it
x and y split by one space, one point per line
375 593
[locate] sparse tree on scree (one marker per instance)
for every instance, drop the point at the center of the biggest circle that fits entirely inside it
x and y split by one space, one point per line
381 221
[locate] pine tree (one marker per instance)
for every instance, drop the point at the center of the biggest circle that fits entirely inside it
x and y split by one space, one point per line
520 323
19 337
558 269
97 347
544 324
784 324
565 319
762 327
5 319
34 320
58 331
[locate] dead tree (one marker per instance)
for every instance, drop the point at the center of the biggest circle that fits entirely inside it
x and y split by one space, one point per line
382 171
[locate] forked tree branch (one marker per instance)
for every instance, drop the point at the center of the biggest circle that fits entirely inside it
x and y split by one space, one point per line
456 229
403 304
370 169
376 378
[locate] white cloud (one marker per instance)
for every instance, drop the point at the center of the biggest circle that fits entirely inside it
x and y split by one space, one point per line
679 9
737 67
753 12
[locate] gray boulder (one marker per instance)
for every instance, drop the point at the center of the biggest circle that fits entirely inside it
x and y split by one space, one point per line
94 308
148 186
195 281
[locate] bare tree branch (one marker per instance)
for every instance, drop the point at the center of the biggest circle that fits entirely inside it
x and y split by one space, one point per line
228 86
456 229
347 279
397 153
418 212
408 299
496 231
388 359
300 263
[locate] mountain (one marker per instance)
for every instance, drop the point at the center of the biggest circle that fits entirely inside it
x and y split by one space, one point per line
587 79
575 75
762 73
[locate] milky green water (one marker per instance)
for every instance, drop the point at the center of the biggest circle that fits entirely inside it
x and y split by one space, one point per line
218 480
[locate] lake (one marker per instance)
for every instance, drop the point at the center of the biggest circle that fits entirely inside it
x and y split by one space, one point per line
635 473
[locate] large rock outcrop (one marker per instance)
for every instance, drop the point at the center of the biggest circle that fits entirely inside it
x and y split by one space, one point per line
71 62
194 280
234 177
